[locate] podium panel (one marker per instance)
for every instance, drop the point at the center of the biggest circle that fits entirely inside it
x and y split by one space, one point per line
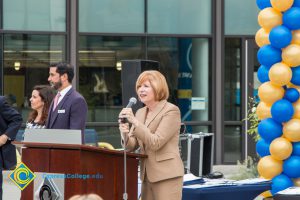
82 160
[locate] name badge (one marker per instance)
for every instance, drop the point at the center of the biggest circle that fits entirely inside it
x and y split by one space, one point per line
61 111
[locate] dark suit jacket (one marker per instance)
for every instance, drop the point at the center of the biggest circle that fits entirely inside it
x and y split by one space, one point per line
10 122
158 137
70 113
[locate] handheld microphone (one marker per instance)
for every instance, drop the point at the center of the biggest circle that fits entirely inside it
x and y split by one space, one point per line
132 101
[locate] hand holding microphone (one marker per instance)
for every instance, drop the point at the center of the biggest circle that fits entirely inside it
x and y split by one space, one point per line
126 115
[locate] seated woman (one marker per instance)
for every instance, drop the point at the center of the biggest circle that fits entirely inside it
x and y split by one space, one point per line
41 98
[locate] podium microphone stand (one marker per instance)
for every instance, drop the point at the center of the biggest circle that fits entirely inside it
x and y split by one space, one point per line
125 195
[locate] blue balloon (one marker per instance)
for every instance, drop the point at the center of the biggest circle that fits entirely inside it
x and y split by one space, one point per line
269 129
263 74
280 36
263 4
295 75
296 149
280 182
282 111
296 3
262 148
291 167
291 94
268 55
291 18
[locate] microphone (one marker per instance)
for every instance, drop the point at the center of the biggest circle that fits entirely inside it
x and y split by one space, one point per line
132 101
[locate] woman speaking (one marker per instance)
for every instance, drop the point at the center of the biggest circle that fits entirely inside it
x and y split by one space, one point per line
155 130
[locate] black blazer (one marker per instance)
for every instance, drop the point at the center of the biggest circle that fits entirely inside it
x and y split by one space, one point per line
10 122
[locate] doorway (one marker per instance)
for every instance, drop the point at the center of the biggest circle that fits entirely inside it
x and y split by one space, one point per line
251 89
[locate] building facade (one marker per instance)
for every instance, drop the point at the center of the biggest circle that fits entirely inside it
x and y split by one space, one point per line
206 49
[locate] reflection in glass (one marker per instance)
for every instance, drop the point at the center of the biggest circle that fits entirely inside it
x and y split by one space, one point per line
26 60
232 143
100 75
111 16
180 58
232 79
179 17
35 15
245 23
100 78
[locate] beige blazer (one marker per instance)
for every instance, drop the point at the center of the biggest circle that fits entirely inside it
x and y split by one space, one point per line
158 138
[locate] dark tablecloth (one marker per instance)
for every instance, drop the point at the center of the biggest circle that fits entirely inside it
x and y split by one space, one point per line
226 192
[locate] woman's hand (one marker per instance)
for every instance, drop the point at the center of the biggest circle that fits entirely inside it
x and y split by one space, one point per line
124 128
127 113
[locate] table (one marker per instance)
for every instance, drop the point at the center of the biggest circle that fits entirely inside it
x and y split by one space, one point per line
226 192
286 197
291 193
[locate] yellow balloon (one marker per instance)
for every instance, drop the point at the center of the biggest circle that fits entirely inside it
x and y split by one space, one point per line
263 110
296 182
280 74
269 93
296 107
291 130
290 55
262 37
266 194
282 5
281 148
268 167
296 37
269 18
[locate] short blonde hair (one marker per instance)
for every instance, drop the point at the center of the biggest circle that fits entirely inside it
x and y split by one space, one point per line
86 197
157 81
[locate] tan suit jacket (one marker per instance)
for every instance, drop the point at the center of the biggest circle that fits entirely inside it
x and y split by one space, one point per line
158 138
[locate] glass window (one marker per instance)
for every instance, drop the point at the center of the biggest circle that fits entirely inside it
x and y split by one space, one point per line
232 79
246 22
36 15
111 16
100 76
232 144
26 60
180 58
179 17
100 79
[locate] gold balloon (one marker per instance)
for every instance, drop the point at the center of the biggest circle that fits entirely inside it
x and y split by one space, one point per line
296 107
266 194
296 182
263 110
282 5
269 18
268 167
281 148
269 93
262 37
291 130
290 55
280 74
296 37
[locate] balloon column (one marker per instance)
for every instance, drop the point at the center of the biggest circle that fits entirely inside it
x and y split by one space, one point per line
279 107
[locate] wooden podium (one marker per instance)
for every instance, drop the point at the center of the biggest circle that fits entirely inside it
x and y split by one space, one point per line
81 159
